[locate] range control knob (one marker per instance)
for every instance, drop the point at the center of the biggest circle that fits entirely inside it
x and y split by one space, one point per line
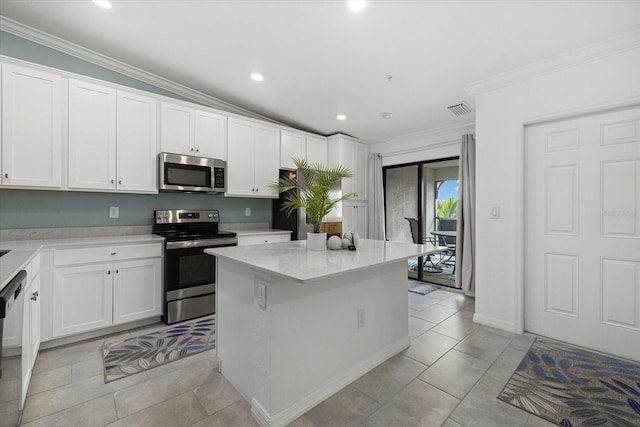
210 216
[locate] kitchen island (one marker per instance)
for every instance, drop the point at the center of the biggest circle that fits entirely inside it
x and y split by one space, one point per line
295 327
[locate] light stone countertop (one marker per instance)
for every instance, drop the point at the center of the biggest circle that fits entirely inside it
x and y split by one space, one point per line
23 251
292 260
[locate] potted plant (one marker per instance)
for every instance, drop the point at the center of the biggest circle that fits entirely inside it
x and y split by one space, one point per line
312 187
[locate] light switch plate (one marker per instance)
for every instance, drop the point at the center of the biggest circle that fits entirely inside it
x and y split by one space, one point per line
114 212
262 296
247 211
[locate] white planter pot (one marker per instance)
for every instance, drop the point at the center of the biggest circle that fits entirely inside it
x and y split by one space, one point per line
316 241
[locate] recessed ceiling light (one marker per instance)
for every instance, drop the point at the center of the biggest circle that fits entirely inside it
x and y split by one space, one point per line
105 4
257 77
356 5
386 115
341 117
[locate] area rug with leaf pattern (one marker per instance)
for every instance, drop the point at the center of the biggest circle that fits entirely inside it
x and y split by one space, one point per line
147 351
574 387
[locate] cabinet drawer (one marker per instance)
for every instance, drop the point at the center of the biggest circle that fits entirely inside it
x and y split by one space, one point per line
63 257
262 239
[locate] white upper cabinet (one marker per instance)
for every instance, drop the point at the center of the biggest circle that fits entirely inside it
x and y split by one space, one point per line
292 145
316 150
192 132
253 158
31 128
343 151
137 143
92 136
112 139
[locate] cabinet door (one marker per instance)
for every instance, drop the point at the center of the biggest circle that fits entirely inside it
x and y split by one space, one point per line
361 220
82 299
210 135
316 150
240 158
26 359
137 290
176 129
137 144
34 299
346 160
292 145
31 128
360 170
92 136
267 159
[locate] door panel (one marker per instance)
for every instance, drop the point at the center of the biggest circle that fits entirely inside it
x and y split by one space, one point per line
582 247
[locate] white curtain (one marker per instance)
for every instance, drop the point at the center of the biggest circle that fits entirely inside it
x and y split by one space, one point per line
465 232
376 202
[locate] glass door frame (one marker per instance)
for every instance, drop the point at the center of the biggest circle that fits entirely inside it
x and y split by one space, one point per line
421 192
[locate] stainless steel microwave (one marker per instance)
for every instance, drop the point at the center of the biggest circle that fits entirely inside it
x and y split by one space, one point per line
177 172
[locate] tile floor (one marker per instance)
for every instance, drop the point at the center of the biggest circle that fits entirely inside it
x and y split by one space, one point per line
450 376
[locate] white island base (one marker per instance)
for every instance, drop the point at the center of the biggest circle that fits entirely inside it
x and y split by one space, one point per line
305 345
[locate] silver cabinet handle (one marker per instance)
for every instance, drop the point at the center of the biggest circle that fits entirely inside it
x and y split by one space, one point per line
117 271
6 175
192 149
119 181
197 150
108 271
34 296
113 253
112 181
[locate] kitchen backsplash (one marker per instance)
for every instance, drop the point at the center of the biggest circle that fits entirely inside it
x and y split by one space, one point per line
54 209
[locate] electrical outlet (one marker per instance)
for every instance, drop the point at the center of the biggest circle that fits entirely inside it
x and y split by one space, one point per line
262 296
114 212
247 211
361 318
495 212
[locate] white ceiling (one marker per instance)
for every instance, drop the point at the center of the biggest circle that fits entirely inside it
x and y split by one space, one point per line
320 59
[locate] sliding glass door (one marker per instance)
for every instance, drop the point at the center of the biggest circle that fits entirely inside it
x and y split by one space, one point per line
420 202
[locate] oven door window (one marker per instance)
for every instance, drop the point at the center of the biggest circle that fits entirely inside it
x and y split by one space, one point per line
186 268
187 175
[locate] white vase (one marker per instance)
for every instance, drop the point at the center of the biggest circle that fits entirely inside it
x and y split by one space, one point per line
316 241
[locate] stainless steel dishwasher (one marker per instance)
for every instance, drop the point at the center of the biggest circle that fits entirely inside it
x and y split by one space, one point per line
11 308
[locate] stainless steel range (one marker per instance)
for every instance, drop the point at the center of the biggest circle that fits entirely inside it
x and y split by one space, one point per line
189 273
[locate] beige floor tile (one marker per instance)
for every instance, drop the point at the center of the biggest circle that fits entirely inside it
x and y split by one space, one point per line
159 389
58 399
216 393
484 343
418 327
455 373
96 412
419 302
522 342
48 380
458 301
236 415
456 327
348 407
419 405
86 369
451 423
429 347
435 313
534 421
385 380
180 411
481 407
442 294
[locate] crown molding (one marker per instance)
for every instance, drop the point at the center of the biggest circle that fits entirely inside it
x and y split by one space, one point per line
64 46
612 46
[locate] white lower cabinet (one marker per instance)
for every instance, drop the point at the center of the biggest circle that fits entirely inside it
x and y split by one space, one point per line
30 342
136 294
82 299
355 218
97 295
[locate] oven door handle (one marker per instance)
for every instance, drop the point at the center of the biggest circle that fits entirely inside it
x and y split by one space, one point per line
231 241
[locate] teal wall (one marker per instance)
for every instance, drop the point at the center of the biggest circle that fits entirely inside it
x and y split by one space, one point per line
32 209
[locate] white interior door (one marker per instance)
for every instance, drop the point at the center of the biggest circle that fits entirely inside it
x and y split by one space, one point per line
582 248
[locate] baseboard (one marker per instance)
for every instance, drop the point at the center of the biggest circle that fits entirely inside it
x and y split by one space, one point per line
494 323
327 389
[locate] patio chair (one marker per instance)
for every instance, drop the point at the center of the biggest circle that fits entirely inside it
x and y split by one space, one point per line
448 224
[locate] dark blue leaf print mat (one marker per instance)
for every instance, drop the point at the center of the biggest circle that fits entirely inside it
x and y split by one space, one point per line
574 387
175 342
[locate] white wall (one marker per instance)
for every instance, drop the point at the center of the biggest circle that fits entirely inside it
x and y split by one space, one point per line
612 81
